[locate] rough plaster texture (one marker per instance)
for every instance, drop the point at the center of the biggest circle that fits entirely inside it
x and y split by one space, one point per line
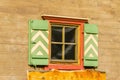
14 16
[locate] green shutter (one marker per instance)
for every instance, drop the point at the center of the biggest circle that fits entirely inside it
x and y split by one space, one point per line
90 45
38 42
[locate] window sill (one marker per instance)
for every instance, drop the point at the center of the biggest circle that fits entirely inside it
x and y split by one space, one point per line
64 67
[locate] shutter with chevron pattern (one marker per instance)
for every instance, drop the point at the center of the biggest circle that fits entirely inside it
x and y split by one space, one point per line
90 45
38 42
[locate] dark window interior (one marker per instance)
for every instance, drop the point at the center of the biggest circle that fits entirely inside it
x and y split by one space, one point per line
63 43
56 34
69 52
56 51
69 34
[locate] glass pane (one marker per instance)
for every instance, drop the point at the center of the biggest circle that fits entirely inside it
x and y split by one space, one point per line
69 52
56 34
70 34
56 51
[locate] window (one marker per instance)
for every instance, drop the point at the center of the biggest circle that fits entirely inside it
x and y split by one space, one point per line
64 43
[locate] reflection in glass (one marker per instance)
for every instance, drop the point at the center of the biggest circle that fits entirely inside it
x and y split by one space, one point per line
56 51
70 34
56 34
69 52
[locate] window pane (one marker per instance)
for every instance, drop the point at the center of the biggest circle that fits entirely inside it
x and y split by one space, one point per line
69 52
70 34
56 34
56 51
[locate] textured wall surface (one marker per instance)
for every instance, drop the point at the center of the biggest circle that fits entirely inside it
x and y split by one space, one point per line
14 16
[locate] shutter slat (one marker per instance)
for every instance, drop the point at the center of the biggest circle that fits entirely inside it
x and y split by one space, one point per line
39 61
39 24
91 28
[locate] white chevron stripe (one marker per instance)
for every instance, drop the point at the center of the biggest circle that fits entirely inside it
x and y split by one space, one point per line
39 44
39 53
85 34
41 34
91 55
31 30
89 38
91 47
96 35
47 31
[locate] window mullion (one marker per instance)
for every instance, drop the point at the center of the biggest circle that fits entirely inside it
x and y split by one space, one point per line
63 42
77 43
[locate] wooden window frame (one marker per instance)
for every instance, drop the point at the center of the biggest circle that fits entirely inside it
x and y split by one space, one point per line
73 21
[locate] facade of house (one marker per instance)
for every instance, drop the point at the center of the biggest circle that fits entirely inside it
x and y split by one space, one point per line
14 30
